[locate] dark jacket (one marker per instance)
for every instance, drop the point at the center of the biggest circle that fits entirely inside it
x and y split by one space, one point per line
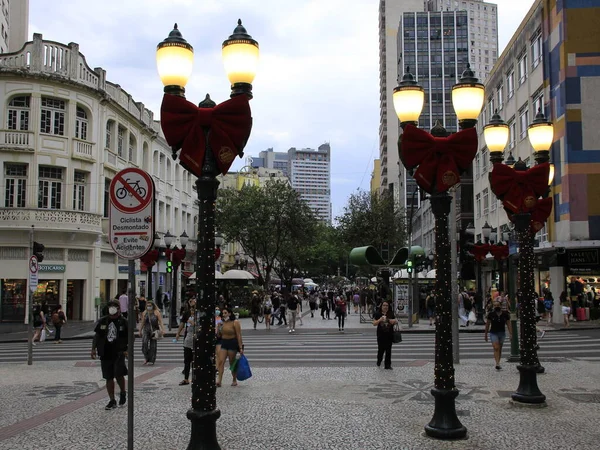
101 330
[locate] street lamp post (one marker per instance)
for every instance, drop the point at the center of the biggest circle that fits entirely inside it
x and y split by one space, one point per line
176 256
218 243
436 175
209 137
522 202
150 259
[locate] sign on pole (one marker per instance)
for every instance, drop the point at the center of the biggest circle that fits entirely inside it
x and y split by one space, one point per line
33 273
131 217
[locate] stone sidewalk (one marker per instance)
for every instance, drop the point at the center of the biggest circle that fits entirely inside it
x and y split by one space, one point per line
52 405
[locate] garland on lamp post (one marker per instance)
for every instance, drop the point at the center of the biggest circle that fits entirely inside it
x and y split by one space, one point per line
439 160
208 138
520 189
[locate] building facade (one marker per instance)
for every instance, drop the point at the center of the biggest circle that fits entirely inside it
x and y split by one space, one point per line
14 25
552 63
310 176
66 131
271 160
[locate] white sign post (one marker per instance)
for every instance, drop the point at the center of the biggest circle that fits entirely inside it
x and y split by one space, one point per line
131 235
131 222
33 273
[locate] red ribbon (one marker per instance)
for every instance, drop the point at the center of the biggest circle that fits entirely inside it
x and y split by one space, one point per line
539 215
183 124
499 251
519 190
150 258
480 251
440 160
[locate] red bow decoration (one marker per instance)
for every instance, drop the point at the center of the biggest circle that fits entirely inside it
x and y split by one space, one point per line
150 258
183 124
499 251
480 251
440 160
519 190
539 215
176 255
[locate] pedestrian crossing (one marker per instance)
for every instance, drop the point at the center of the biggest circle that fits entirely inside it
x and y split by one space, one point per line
319 348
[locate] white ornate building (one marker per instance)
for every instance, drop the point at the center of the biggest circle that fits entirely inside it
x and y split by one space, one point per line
65 131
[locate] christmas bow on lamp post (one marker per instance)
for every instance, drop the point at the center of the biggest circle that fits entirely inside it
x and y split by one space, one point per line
439 160
520 188
209 136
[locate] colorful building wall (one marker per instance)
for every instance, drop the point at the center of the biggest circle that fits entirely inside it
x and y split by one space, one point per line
572 84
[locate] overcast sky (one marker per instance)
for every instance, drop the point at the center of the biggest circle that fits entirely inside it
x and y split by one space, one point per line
317 82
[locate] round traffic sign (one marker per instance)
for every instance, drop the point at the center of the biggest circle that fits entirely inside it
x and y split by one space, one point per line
131 190
33 264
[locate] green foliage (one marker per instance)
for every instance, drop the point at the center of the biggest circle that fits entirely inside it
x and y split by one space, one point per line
265 221
241 312
372 219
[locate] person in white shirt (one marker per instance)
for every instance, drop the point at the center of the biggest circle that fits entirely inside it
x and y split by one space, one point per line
124 303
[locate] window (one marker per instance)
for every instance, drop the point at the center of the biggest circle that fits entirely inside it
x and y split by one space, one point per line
493 204
50 187
109 133
81 124
486 200
53 116
484 160
478 205
500 97
538 102
512 133
491 108
131 154
79 190
15 186
18 114
523 122
523 69
121 142
477 168
510 83
536 51
107 182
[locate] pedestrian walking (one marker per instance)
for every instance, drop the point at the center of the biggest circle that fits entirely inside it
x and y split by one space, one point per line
324 305
255 304
430 304
462 313
340 311
39 323
124 303
312 303
384 320
141 306
58 320
151 330
292 306
497 322
565 305
231 343
187 327
110 343
356 301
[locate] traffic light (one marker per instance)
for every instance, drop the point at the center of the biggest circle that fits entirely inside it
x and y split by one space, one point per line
169 266
38 251
409 266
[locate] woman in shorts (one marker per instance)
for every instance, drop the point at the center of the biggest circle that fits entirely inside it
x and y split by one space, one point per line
565 305
231 343
497 322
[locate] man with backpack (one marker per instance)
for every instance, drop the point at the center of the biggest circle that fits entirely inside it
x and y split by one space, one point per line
58 320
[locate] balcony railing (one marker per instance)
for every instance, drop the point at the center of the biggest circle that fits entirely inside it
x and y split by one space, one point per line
83 149
50 219
22 140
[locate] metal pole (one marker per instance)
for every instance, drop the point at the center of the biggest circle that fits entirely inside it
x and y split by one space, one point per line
410 295
130 352
170 285
29 308
173 319
149 295
528 390
454 278
445 423
204 413
512 293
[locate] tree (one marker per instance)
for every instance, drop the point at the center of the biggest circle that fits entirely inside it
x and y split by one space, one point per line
265 221
371 219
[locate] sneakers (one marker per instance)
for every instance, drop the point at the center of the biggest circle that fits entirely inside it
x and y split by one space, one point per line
498 368
294 330
289 331
543 333
388 368
339 329
111 405
122 398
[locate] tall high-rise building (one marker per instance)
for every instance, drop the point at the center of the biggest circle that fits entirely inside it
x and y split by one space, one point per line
437 48
14 25
310 175
309 172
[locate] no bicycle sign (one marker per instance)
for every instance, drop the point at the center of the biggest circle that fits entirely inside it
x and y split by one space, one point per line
131 224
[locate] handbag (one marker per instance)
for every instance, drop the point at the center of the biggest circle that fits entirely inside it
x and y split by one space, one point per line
243 371
397 334
154 334
472 317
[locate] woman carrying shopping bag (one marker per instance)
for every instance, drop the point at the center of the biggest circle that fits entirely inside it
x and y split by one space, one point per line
151 330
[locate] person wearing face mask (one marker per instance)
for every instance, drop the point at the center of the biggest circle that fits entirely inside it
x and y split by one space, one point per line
150 324
187 326
231 343
497 322
110 343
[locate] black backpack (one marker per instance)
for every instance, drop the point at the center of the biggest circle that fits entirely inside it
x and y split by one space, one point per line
467 302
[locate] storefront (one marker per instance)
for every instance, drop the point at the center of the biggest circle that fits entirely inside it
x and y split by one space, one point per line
13 294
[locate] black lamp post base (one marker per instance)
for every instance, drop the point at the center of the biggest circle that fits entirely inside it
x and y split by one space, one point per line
445 423
480 320
528 390
204 429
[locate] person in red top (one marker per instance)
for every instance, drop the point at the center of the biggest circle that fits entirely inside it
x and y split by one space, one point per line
340 310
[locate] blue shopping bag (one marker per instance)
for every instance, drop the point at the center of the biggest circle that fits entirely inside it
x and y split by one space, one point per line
243 369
